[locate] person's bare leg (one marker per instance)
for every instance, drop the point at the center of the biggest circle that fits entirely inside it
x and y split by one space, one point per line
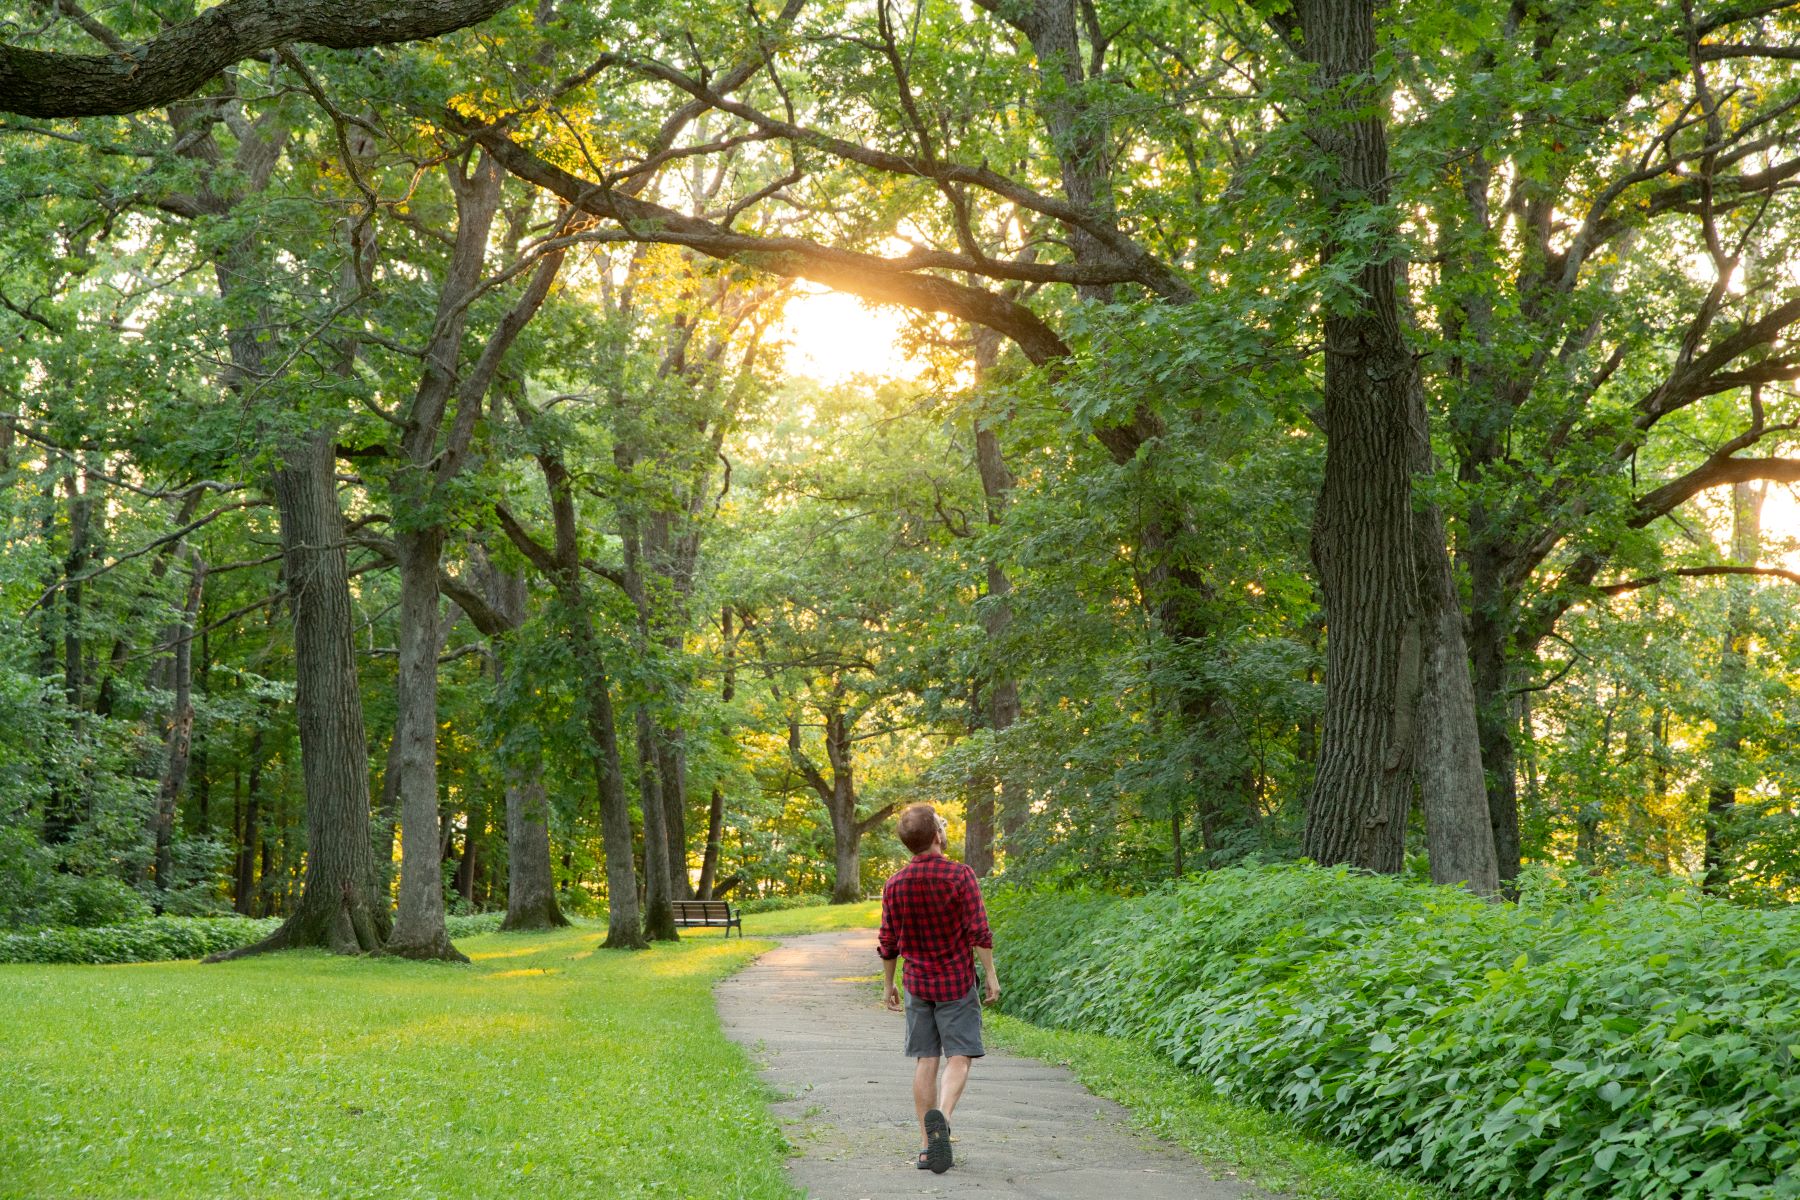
925 1090
956 1077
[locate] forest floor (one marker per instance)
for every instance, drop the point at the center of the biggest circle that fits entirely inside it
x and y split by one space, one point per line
547 1067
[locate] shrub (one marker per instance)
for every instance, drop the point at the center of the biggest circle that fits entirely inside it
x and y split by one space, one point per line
472 924
768 904
91 901
151 940
1572 1045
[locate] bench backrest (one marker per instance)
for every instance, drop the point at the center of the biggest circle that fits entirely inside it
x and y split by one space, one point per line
702 910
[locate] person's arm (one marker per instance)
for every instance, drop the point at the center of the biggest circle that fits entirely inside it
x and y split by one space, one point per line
982 938
892 994
887 944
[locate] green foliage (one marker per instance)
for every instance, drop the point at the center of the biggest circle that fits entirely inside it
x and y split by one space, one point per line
1263 1148
155 939
1582 1043
768 904
473 924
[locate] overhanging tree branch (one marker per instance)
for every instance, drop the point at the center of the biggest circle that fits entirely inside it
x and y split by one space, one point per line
884 280
1631 585
177 62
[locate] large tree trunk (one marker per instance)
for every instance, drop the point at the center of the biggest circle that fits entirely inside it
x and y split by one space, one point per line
1458 833
659 917
1489 635
1002 689
340 903
181 726
623 928
419 930
530 881
1734 658
978 825
715 835
1363 538
1389 596
671 764
243 894
562 563
715 812
672 561
846 835
1080 135
846 843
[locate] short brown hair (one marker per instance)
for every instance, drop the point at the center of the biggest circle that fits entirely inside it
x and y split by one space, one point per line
918 828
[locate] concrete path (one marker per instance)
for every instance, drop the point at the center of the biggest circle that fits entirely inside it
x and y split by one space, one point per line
1024 1130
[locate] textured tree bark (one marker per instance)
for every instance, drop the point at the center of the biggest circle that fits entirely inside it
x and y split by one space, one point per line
839 796
1489 636
846 881
340 903
715 812
1363 535
671 766
530 881
243 896
672 558
715 835
561 563
1078 130
1734 656
180 740
1452 789
846 836
978 826
659 916
419 930
182 58
623 927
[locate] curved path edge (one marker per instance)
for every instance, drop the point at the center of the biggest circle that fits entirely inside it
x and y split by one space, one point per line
1025 1130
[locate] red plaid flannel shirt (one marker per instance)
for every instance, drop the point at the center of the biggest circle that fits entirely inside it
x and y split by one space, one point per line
932 915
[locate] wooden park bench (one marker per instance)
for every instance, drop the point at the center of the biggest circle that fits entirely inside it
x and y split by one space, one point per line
707 914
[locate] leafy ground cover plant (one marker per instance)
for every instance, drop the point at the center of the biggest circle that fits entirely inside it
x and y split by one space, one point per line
1634 1044
161 939
154 939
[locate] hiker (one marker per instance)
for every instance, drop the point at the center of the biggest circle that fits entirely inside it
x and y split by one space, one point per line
932 915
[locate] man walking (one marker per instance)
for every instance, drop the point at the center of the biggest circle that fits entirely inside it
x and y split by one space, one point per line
932 915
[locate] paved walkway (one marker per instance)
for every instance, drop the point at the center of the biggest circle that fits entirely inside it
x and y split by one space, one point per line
1024 1130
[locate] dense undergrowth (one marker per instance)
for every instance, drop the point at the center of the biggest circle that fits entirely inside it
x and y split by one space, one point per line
1627 1045
159 939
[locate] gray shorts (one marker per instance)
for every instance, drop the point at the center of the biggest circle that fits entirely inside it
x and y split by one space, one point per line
944 1027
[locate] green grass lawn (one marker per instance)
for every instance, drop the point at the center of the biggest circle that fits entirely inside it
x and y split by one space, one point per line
548 1068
